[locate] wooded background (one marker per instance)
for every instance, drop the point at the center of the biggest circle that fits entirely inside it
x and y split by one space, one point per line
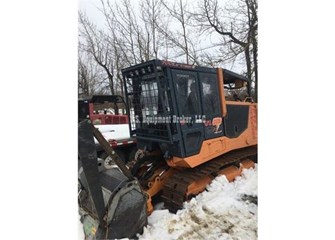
214 33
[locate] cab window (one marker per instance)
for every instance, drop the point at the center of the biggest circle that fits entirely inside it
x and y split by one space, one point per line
210 94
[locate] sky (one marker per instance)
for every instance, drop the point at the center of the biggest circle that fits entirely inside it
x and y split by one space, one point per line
90 7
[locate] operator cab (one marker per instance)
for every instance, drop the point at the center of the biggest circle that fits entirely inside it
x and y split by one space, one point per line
178 106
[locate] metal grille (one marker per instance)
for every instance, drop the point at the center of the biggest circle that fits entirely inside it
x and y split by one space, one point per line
148 96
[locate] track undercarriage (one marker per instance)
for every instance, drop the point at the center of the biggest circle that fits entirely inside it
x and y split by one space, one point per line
176 186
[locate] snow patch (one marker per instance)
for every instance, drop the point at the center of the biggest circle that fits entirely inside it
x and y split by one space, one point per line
224 211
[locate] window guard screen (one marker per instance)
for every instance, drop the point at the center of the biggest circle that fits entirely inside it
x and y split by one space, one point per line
149 99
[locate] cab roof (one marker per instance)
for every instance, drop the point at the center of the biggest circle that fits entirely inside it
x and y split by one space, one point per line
146 67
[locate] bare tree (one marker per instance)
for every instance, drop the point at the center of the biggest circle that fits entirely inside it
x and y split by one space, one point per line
184 40
171 30
97 44
127 33
83 79
252 7
237 23
151 13
89 77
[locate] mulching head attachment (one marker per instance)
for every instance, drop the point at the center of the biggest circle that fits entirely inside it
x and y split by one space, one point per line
112 204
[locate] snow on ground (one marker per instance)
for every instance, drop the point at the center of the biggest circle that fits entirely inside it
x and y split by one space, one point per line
225 211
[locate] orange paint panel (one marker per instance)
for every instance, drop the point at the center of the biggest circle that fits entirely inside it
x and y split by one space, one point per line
155 185
158 182
247 163
231 172
150 208
198 186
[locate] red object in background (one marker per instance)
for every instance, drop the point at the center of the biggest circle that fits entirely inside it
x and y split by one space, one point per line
106 118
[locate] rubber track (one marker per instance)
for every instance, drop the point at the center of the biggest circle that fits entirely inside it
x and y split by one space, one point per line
174 191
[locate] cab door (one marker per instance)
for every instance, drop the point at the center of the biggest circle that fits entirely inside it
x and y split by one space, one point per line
188 100
212 115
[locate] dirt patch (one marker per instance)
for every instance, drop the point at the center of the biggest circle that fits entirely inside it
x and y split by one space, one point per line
250 199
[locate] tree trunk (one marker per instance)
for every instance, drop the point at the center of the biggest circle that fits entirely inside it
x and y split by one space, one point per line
247 59
111 83
254 43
